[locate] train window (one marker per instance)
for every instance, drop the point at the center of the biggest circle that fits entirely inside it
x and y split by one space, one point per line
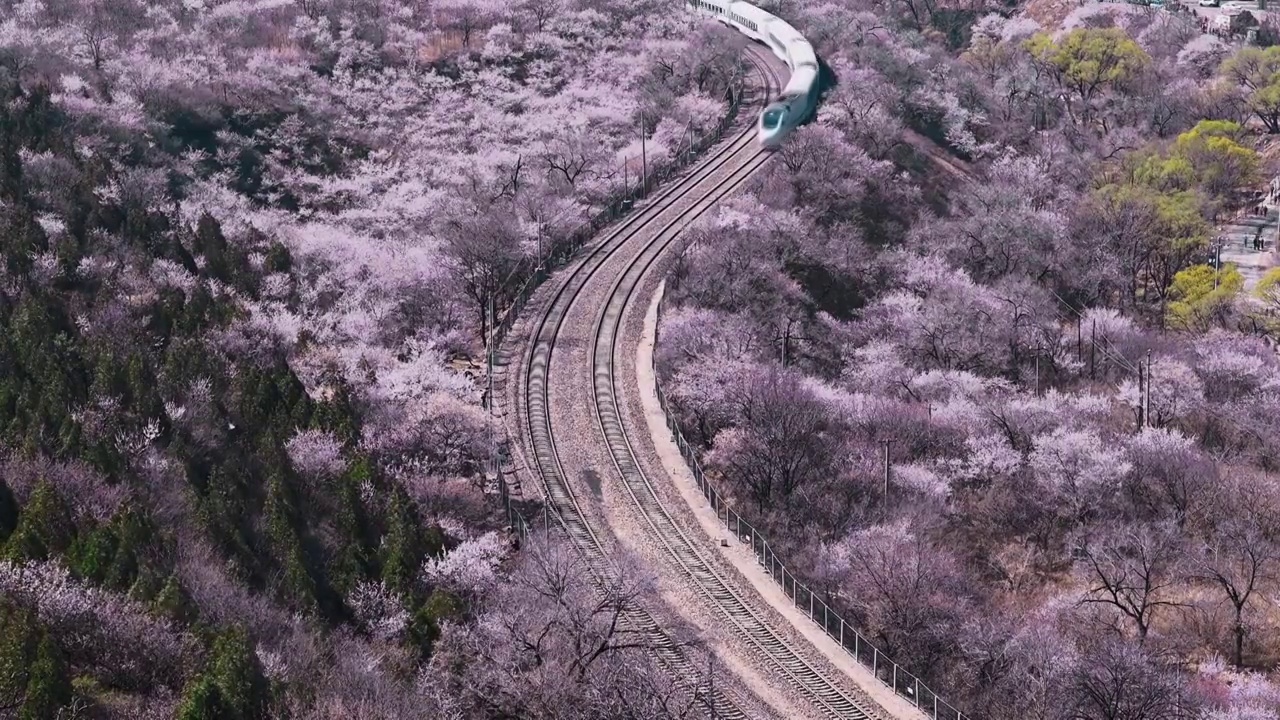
772 118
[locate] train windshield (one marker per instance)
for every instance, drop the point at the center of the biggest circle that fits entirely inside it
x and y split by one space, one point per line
772 118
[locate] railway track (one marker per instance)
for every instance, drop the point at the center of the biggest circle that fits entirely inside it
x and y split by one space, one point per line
655 229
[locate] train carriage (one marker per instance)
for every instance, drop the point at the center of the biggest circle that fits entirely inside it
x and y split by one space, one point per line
798 99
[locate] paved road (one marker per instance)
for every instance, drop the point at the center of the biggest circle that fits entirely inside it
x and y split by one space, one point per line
1237 237
1227 5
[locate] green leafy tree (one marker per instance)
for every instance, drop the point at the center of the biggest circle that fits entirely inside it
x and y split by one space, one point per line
1182 236
279 259
245 691
355 559
1267 292
1087 63
108 555
1201 297
224 510
211 243
1209 156
338 414
424 627
1151 234
1257 72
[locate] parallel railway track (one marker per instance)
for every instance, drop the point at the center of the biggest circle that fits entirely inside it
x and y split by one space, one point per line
736 161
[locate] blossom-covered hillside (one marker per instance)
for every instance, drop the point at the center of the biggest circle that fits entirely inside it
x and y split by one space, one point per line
241 243
1076 412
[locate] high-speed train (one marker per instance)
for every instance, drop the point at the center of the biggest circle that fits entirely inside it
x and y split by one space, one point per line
801 93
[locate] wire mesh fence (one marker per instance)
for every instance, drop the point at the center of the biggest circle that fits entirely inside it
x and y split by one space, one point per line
886 670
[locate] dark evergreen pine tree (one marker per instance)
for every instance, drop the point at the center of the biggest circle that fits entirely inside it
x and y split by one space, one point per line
355 558
174 603
44 527
203 701
211 243
235 669
402 547
298 585
16 649
48 683
8 513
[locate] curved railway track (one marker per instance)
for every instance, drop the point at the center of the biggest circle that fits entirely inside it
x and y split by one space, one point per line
654 230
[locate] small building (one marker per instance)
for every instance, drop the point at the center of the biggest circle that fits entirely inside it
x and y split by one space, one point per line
1233 21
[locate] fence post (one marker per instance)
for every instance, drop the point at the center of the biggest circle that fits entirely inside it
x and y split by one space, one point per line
917 692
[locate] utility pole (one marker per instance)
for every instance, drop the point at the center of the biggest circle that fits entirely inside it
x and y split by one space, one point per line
711 675
1037 374
887 443
1217 263
488 354
1079 345
1093 348
1148 397
1142 396
644 161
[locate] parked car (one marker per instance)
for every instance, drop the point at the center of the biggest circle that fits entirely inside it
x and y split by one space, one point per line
1210 3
